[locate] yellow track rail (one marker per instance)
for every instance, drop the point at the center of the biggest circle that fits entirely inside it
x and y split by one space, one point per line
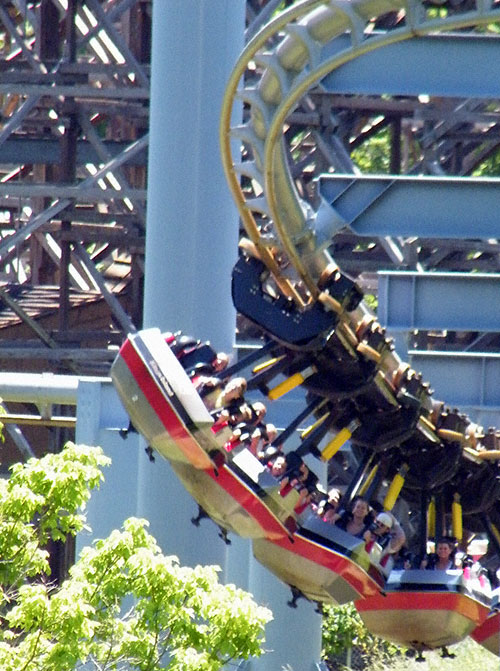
284 61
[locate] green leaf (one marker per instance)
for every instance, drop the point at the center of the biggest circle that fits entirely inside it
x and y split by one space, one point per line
124 605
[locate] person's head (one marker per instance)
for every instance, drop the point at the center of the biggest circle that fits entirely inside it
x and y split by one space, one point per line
220 362
241 415
278 466
383 522
444 548
333 498
360 507
272 432
259 410
235 388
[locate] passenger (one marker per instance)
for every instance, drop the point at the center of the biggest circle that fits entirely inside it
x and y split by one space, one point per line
244 421
306 486
278 466
200 357
254 439
484 578
261 438
232 402
209 388
233 392
239 436
209 368
270 453
403 559
257 428
210 373
201 363
357 520
310 481
473 569
259 411
231 407
296 473
479 575
389 535
293 473
328 508
443 559
220 363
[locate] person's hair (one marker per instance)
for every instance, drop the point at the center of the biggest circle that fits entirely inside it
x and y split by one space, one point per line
221 361
235 382
258 406
359 498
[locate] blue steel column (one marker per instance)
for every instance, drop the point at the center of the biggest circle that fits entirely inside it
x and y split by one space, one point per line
100 416
191 246
192 231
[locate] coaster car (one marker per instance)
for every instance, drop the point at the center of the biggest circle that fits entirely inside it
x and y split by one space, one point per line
161 400
488 633
324 563
425 609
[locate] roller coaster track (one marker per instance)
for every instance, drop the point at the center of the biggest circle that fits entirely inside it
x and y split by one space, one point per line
288 233
287 58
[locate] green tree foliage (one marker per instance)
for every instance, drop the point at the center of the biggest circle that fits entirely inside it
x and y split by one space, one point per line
124 605
373 156
490 167
343 629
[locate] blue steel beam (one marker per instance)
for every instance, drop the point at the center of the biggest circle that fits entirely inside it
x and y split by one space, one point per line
425 207
445 65
456 301
27 150
461 379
